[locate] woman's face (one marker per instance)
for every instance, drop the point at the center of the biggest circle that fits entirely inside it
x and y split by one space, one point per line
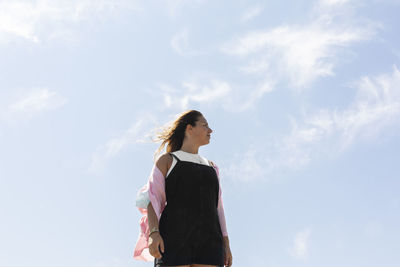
201 132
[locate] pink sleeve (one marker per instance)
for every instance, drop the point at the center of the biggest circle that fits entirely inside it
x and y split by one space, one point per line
156 192
220 207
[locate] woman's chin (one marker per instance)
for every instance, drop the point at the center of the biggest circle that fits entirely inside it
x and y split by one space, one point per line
206 143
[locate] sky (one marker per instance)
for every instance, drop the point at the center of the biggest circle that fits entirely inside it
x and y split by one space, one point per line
303 98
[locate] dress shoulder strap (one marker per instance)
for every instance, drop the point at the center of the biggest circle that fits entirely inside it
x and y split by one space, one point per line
174 156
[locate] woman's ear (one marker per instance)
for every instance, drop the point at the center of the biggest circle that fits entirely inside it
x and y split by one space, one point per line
189 128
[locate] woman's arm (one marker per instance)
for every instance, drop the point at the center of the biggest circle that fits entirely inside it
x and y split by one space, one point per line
152 217
155 240
226 241
157 184
220 207
221 215
151 201
163 163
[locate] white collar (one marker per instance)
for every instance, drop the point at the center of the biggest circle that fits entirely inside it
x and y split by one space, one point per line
186 156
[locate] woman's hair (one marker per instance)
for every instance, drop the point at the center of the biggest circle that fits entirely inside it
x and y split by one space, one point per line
174 133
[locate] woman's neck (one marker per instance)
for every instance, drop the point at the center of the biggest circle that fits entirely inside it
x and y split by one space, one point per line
192 149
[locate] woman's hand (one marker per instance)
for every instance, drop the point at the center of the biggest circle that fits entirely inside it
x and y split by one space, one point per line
156 240
227 256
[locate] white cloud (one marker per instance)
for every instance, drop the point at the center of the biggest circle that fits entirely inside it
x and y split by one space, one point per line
37 101
301 245
299 53
327 132
247 167
194 93
32 20
180 43
375 107
256 66
137 133
255 95
215 92
250 13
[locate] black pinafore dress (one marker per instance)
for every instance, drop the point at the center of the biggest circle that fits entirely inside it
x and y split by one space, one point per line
189 224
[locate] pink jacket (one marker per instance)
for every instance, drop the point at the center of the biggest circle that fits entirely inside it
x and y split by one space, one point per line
155 187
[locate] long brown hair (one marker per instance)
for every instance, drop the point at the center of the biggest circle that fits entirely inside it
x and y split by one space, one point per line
174 133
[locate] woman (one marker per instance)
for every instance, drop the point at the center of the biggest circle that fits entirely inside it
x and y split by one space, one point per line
183 223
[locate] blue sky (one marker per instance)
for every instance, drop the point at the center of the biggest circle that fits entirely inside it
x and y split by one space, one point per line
303 98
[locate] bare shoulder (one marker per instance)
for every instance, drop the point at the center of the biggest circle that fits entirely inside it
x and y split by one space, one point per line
164 162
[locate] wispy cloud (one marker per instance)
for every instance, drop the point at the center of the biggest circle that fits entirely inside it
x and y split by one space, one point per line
38 100
301 245
300 53
215 92
247 167
137 133
250 13
265 87
375 107
32 20
193 93
326 132
260 65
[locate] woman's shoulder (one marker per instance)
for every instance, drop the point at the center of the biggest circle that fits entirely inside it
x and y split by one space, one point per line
164 157
163 163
